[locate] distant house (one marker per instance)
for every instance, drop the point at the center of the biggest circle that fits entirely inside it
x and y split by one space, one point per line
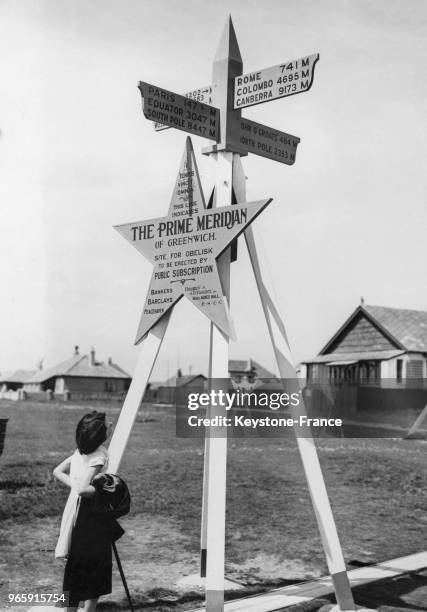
15 380
374 343
244 372
81 375
168 391
248 370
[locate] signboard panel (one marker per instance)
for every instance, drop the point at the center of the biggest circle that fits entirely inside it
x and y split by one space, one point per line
267 142
184 245
275 82
180 112
203 94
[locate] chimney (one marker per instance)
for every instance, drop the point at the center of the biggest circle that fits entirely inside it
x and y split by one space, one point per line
76 350
110 361
362 301
92 356
179 373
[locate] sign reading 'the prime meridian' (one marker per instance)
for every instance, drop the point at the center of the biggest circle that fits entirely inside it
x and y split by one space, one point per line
279 81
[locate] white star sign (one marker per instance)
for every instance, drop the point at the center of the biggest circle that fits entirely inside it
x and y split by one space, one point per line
184 245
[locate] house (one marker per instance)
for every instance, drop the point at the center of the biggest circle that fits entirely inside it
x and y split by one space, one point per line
15 380
248 371
244 372
375 344
168 392
80 376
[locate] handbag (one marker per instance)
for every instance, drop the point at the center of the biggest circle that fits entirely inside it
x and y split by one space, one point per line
113 501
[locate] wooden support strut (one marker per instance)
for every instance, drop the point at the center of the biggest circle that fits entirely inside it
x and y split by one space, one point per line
306 445
147 358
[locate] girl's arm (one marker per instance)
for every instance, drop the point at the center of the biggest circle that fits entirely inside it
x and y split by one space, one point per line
85 489
60 472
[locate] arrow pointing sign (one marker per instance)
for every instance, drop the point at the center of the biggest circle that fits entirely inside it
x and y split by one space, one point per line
267 142
275 82
177 111
202 94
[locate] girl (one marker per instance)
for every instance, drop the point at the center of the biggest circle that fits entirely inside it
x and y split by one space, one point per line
88 569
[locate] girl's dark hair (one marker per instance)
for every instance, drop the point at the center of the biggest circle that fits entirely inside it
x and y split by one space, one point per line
91 432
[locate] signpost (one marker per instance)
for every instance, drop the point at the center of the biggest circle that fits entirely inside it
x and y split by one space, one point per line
202 94
169 108
275 82
267 142
190 252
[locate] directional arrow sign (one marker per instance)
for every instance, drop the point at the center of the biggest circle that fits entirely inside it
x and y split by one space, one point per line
276 82
203 94
267 142
180 112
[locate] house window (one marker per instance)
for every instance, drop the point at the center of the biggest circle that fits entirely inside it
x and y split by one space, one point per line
399 370
109 386
312 371
414 368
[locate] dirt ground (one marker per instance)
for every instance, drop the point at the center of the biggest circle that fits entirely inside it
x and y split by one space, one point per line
377 489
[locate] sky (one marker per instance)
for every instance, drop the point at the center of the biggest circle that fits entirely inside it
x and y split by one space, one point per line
77 157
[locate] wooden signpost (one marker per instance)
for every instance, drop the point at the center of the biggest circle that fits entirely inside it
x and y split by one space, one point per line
267 142
287 79
177 111
190 252
202 94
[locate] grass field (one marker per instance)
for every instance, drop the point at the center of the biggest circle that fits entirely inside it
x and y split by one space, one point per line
377 489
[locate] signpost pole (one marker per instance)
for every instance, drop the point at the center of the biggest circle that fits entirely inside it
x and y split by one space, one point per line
203 530
306 445
217 457
227 65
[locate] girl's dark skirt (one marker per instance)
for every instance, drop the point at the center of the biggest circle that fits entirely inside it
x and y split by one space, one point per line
89 565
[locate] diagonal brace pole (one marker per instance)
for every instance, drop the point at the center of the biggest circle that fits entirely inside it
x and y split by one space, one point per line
306 446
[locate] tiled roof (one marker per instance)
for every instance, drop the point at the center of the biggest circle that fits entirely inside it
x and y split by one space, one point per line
79 365
409 327
19 376
238 365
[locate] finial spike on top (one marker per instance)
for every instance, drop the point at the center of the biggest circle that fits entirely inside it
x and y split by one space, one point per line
228 47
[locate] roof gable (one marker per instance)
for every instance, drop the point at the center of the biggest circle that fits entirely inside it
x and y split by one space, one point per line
361 333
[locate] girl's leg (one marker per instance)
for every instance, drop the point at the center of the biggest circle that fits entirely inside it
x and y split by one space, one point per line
90 605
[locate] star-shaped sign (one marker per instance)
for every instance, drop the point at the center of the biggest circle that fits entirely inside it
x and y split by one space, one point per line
184 245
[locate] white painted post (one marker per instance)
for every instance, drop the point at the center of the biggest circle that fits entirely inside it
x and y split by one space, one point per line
147 358
217 458
204 524
306 446
227 65
418 422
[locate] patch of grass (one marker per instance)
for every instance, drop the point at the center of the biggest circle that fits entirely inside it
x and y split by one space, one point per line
377 489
